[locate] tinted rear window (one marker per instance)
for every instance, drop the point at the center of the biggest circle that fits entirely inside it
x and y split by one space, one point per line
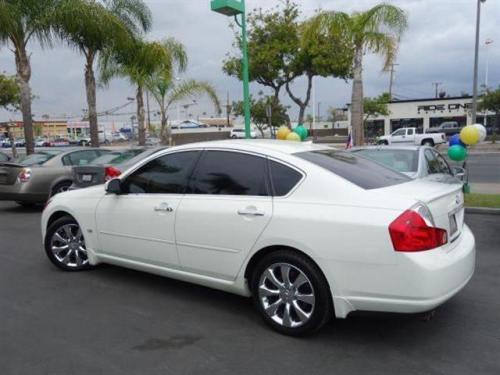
356 169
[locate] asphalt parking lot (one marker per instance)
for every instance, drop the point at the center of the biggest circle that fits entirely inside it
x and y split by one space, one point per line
118 321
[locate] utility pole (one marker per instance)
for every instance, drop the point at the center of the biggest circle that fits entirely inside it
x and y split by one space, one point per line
476 61
436 85
391 80
149 112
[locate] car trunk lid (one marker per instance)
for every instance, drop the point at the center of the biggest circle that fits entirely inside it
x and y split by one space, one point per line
444 198
85 176
9 172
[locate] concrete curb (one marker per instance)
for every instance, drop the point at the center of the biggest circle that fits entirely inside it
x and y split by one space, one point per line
482 210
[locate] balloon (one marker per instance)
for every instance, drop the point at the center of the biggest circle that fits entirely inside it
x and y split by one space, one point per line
283 132
455 140
457 153
470 135
482 131
293 137
301 131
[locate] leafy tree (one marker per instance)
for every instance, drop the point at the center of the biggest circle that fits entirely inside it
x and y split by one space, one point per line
138 64
282 48
376 30
272 43
377 106
93 28
491 102
166 93
10 93
22 21
259 108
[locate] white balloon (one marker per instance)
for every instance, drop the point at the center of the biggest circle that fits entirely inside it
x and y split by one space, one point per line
482 131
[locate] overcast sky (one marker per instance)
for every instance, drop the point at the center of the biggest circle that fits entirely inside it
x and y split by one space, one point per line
438 47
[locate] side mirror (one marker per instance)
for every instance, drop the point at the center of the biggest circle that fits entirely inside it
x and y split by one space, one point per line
458 172
114 186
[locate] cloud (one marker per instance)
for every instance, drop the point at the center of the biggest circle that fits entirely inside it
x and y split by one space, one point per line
438 47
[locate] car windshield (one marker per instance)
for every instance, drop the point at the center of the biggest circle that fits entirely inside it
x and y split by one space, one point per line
38 158
400 160
116 157
360 171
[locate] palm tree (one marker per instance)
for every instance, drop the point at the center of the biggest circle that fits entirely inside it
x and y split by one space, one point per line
92 28
166 93
376 30
22 21
138 64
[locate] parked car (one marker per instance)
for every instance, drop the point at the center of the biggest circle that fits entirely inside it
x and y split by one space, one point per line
413 161
59 142
4 157
20 142
308 231
33 178
109 166
84 141
449 128
42 142
240 134
412 136
118 137
152 141
5 142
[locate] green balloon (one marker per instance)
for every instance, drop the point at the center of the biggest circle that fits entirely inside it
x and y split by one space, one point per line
457 152
301 131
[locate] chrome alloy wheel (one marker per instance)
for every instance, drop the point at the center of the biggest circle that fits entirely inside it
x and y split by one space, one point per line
68 246
287 295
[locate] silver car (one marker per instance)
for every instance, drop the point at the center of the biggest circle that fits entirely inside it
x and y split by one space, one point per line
34 178
413 161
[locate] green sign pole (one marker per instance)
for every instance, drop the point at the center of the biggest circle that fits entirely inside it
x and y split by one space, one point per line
246 76
234 8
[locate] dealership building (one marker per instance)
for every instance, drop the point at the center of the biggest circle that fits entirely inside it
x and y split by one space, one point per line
424 114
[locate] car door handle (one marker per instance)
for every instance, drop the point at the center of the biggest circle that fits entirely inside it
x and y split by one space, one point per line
164 207
250 212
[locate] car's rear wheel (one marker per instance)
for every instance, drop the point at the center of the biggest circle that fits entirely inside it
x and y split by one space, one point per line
428 142
65 245
60 188
291 293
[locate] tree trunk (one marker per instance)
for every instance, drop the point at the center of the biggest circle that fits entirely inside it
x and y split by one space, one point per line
90 86
166 132
141 116
302 104
23 68
12 142
358 135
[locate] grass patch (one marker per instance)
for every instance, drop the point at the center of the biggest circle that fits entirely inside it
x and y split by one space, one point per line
482 200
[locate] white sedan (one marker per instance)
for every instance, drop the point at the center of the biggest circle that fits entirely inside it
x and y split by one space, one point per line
308 231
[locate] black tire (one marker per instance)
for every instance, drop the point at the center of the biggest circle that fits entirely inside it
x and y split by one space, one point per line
72 264
428 142
60 188
322 310
384 143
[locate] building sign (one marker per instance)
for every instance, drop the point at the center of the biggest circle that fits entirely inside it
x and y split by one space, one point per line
443 107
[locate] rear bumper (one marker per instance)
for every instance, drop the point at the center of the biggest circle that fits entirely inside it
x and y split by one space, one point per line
20 192
418 282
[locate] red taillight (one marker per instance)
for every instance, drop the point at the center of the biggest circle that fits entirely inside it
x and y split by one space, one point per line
410 232
25 175
111 172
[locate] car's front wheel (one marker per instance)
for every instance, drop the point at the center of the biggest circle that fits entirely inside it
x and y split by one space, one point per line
291 293
65 245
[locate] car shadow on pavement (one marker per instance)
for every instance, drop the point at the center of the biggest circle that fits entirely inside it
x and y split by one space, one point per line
18 209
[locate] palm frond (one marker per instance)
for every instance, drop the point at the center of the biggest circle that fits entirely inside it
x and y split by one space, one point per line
192 88
134 14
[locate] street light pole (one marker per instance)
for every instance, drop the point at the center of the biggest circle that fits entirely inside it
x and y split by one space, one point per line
476 61
234 8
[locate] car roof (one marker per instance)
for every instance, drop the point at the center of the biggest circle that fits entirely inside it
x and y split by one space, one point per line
258 145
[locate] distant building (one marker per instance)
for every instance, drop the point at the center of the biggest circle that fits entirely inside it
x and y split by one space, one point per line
422 114
48 128
217 121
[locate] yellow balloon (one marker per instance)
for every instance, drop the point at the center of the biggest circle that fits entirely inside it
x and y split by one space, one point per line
293 137
282 133
470 135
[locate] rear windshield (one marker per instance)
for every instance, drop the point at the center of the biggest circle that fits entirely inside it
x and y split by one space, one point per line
38 158
360 171
399 160
116 157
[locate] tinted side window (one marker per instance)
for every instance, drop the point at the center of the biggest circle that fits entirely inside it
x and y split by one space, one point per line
230 173
360 171
283 178
80 157
410 131
435 164
168 174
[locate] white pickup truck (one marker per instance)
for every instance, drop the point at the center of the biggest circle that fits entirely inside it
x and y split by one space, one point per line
411 136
